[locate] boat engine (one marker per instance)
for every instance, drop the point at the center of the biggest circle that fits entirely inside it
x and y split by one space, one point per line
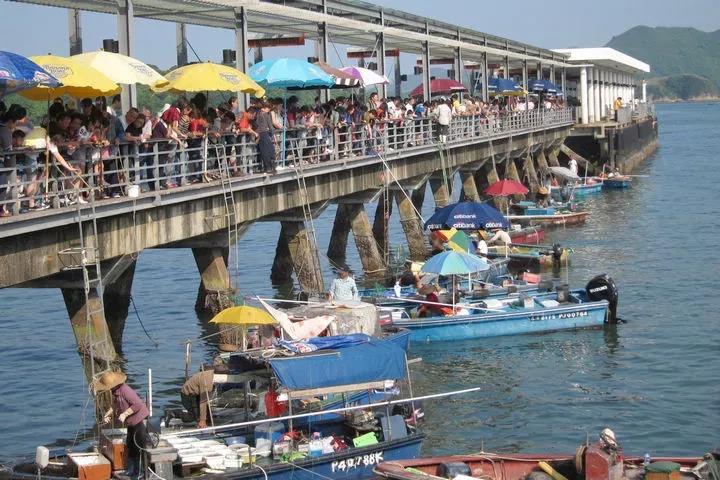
603 287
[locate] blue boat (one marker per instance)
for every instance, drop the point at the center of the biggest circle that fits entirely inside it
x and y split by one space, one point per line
522 313
617 182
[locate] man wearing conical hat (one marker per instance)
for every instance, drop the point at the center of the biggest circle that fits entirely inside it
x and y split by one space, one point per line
129 409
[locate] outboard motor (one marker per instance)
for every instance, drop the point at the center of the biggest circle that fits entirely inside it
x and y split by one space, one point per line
603 287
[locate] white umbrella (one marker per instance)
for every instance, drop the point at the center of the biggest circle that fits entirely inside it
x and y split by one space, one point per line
367 77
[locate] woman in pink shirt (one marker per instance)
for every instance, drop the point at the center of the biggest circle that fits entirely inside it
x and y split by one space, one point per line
129 409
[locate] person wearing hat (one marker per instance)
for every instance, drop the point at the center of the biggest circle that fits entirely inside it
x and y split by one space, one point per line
343 287
543 193
130 410
195 393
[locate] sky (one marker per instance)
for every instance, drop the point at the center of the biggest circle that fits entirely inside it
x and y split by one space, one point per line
35 30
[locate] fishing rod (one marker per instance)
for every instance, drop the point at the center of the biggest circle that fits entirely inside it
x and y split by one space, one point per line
322 412
425 302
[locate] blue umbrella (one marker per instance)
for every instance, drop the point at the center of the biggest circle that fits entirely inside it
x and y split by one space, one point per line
543 85
504 86
454 263
290 73
467 216
19 73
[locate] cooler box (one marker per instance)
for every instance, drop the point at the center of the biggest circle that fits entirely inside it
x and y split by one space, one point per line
540 211
112 445
91 466
662 471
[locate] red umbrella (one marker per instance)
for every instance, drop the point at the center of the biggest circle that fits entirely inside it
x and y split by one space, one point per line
504 188
440 86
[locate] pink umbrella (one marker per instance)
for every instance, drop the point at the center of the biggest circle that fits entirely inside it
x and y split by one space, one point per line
367 77
440 86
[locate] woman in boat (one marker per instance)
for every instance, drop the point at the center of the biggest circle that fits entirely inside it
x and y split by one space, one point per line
129 410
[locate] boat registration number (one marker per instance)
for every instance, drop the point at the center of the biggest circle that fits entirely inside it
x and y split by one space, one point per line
358 461
555 316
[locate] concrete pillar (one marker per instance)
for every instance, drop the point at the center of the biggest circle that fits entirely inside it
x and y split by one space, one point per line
337 249
381 223
485 79
322 55
241 52
125 20
398 77
511 173
591 94
459 65
181 44
469 187
584 111
370 256
215 291
93 337
506 67
492 176
524 75
282 267
75 31
632 92
542 163
563 81
552 157
644 91
116 297
382 68
598 105
418 197
412 226
302 251
426 71
441 191
530 174
603 100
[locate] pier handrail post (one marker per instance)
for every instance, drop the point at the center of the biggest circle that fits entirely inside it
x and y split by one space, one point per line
156 168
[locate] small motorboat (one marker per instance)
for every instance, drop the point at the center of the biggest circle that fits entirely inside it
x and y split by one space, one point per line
554 215
518 313
531 257
617 182
602 460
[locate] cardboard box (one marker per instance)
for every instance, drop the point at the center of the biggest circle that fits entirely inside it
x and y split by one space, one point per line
112 445
91 466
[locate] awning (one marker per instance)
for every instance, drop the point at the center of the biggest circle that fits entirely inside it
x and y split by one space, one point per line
371 362
566 173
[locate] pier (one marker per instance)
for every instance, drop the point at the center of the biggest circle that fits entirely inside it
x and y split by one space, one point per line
90 251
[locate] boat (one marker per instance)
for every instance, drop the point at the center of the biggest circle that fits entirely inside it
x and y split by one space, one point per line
617 182
531 257
550 217
527 234
601 460
299 443
517 313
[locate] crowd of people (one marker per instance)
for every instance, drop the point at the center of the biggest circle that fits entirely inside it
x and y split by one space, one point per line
96 149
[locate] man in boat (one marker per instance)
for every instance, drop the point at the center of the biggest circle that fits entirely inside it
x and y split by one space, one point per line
500 237
542 196
129 409
343 288
196 391
573 165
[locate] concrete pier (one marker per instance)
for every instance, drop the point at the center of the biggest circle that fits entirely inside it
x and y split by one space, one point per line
469 187
412 226
93 338
301 247
215 292
441 185
337 248
370 255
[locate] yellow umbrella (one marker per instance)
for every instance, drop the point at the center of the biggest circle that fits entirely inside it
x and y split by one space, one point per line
203 77
121 68
243 316
78 80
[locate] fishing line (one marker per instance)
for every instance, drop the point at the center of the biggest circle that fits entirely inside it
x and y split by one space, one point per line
137 314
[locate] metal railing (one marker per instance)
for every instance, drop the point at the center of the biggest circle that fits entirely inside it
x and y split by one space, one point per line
30 182
644 110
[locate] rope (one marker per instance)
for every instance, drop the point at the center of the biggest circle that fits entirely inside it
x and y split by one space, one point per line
137 314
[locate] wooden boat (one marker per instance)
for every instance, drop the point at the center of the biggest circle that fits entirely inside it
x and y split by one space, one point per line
346 446
617 182
579 190
597 461
555 219
531 257
528 234
519 313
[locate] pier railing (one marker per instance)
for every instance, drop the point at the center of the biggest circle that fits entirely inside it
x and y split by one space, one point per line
29 181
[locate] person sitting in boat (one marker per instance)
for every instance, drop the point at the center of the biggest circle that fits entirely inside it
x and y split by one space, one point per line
195 393
500 237
482 246
542 196
432 309
615 173
343 288
129 409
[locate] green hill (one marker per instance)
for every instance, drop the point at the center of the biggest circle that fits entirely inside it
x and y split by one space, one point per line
686 61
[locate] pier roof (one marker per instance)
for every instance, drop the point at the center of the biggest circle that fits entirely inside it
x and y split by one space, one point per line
352 22
605 57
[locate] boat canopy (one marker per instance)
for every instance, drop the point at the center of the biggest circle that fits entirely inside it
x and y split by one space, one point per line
564 172
371 362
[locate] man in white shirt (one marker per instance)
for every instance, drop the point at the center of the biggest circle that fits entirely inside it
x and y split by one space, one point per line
444 116
501 237
482 248
573 166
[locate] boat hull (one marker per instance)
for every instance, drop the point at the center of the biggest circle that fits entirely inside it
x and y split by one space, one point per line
613 183
566 317
352 464
528 235
560 219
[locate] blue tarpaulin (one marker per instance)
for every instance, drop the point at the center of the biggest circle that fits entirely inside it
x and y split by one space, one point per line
374 361
324 343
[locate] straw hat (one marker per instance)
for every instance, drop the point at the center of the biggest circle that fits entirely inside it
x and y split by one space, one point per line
542 191
108 381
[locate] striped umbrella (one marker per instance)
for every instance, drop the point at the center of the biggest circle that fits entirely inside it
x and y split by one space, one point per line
342 79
